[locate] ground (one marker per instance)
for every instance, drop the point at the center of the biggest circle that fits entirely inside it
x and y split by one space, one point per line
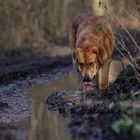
21 67
95 115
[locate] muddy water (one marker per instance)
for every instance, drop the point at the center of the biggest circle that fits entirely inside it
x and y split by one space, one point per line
47 124
50 125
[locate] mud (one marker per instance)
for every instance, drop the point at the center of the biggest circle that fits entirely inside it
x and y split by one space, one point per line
93 114
18 63
25 66
20 68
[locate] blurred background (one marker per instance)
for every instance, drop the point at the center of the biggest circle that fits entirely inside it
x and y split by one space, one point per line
36 22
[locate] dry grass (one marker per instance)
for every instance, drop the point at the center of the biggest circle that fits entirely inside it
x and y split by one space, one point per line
34 23
134 14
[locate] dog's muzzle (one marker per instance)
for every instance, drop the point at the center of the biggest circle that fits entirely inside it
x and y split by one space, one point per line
87 82
86 78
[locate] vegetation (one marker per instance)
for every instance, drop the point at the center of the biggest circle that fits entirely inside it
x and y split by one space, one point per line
35 22
129 121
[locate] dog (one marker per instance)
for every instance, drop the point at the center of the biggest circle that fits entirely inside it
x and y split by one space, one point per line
92 42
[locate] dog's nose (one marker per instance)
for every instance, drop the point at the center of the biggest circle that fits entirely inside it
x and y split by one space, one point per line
86 78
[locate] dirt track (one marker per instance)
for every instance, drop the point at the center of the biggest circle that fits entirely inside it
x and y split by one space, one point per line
22 67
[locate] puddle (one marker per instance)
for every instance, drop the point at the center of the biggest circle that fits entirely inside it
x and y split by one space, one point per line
50 125
47 124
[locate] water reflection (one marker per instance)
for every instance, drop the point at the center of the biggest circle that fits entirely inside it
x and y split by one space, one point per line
47 124
50 125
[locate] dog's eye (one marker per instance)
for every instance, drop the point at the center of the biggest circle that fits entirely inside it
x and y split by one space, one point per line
81 64
90 64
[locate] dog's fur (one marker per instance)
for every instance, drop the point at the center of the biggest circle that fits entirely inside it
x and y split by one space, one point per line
92 43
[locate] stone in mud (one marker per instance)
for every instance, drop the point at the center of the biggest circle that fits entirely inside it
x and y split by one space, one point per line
3 105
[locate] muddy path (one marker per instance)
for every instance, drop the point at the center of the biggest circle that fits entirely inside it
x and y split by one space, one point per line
20 68
15 104
18 63
84 119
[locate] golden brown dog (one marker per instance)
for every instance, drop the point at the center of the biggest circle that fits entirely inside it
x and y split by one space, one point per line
92 43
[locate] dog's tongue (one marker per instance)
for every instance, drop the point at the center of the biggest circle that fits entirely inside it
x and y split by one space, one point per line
87 84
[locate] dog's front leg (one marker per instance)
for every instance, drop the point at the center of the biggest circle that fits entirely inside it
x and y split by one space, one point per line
105 75
96 81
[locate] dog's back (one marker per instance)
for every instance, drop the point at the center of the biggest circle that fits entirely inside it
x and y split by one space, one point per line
95 28
85 20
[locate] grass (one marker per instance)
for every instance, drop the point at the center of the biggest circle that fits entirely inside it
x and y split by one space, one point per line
122 124
129 120
114 18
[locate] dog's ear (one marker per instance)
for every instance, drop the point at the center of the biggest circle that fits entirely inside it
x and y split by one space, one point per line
101 55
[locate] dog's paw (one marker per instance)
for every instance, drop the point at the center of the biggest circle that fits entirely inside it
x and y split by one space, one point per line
105 89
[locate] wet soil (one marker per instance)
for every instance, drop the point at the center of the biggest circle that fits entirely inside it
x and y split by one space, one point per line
17 63
93 114
21 67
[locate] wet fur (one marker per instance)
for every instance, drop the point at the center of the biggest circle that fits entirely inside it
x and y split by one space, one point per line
91 39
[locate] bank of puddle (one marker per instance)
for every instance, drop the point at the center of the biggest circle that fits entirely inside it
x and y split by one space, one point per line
45 124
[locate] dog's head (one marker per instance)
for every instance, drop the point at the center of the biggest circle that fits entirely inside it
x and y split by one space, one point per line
89 59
